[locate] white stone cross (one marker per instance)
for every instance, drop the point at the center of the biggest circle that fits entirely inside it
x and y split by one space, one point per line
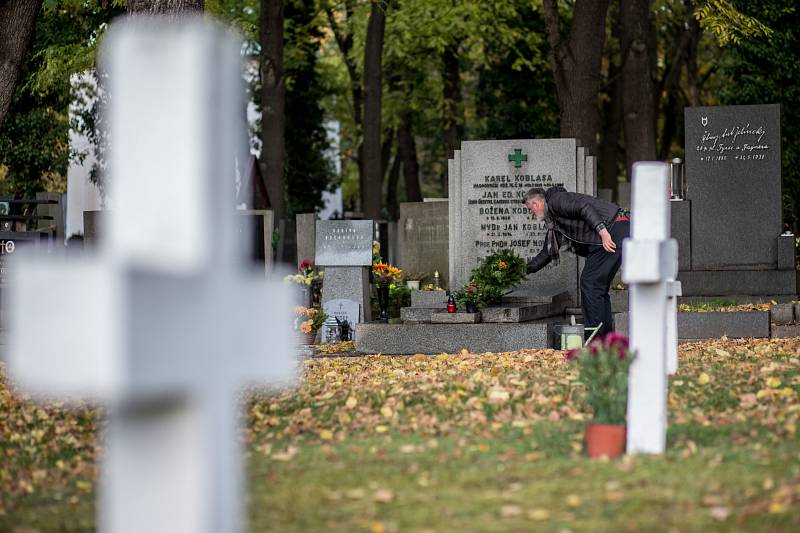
650 267
168 321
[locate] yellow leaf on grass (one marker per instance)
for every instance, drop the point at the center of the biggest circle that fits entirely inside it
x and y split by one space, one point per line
351 402
498 395
538 514
386 411
573 500
703 379
326 434
773 382
381 429
377 527
777 508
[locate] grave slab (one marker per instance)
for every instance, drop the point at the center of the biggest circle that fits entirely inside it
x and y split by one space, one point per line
450 338
455 318
782 314
424 241
734 325
738 282
428 299
785 331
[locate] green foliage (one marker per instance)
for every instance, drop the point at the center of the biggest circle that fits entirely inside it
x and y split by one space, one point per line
494 276
34 141
728 24
765 71
309 170
603 367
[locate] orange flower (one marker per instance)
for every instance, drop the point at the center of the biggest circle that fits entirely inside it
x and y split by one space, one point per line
502 265
311 311
300 310
305 327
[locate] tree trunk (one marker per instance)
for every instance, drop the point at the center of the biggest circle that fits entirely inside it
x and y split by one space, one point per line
273 101
638 82
576 63
164 7
344 40
17 21
372 162
692 71
610 152
452 99
407 152
392 201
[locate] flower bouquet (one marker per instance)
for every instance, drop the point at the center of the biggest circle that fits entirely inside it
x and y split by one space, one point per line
307 322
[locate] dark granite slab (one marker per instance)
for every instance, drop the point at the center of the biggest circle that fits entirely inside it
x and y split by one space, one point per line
450 338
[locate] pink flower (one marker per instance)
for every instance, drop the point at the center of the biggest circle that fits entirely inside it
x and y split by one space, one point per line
619 342
594 347
616 337
572 354
306 264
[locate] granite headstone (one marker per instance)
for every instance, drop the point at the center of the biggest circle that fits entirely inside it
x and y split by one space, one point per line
423 235
344 310
489 180
733 165
344 247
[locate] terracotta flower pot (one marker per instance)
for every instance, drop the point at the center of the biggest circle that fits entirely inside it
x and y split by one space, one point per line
605 439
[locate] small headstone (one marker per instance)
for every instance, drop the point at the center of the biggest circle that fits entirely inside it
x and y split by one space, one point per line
343 310
344 248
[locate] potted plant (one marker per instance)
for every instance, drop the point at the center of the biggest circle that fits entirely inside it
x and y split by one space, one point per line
383 274
603 370
307 322
413 279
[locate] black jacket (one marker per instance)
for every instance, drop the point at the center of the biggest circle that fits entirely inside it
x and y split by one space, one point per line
574 217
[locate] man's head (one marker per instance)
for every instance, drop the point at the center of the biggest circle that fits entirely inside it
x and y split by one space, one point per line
534 201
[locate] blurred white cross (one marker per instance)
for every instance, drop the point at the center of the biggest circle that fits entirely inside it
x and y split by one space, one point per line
167 323
650 267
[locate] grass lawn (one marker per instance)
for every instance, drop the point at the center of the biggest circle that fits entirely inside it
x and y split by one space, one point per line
470 442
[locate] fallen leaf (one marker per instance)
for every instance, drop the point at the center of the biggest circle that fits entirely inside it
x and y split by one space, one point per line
719 513
351 402
510 511
538 514
703 379
773 382
383 496
326 434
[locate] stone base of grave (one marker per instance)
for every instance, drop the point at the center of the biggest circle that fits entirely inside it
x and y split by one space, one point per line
451 338
734 325
515 308
455 318
738 282
784 331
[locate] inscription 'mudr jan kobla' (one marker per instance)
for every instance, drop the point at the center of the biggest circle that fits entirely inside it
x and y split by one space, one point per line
737 143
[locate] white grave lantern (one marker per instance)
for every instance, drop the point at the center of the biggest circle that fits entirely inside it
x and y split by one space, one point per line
650 267
167 323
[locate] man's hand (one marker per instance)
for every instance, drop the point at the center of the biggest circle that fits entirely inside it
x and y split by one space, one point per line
608 243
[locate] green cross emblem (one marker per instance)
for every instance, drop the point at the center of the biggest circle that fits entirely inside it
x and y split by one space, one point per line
517 157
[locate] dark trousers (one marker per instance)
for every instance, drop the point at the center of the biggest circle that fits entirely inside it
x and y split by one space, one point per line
599 271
